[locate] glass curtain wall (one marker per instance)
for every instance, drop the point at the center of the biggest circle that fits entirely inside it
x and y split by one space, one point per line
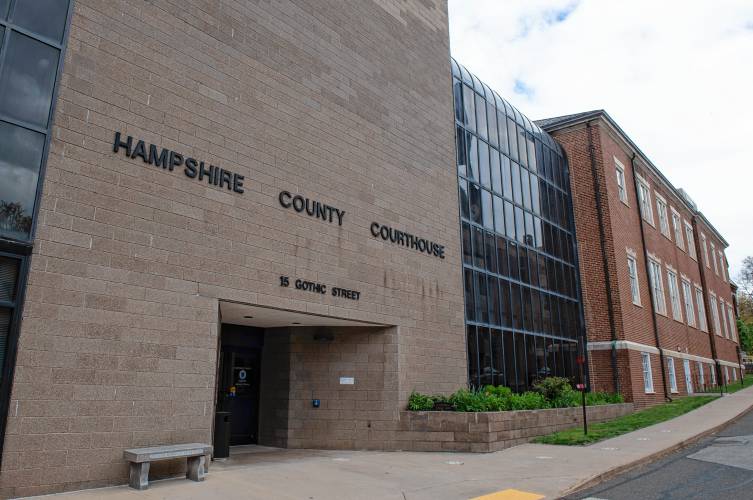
522 310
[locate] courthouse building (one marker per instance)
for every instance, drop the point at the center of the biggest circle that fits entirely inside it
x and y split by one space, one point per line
300 212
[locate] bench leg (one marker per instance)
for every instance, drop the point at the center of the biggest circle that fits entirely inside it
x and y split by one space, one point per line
207 460
138 477
195 470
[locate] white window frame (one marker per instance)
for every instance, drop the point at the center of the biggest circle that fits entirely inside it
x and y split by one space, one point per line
672 375
701 377
687 297
619 170
657 286
721 265
713 257
661 208
734 374
635 289
715 314
644 200
732 322
724 318
677 226
690 238
674 294
688 376
648 378
702 320
713 373
705 250
726 375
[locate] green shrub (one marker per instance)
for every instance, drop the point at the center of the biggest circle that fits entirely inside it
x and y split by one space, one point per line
567 398
603 398
528 401
553 388
499 391
420 402
466 400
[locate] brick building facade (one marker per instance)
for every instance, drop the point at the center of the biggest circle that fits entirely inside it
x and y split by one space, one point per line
657 299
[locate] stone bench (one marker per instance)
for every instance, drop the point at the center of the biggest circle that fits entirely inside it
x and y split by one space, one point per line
140 458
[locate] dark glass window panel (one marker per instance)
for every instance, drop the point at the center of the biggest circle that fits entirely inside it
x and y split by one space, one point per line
465 211
546 314
535 197
554 303
5 317
28 79
526 189
563 210
491 116
486 365
552 204
506 178
461 151
502 256
568 359
483 165
491 253
543 279
498 358
543 370
499 215
467 252
546 167
517 195
509 220
487 211
533 268
556 237
502 125
521 362
527 310
512 136
504 303
20 160
475 202
478 248
4 4
516 307
512 251
495 171
471 144
2 30
520 225
551 274
544 199
530 236
473 371
552 350
538 237
469 109
470 296
560 278
482 298
522 153
493 292
457 94
523 264
43 17
481 117
508 348
8 278
532 163
535 311
466 75
532 374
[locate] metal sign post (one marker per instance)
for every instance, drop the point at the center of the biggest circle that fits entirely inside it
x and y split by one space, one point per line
582 388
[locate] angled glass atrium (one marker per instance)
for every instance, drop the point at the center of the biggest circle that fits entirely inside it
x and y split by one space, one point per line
522 310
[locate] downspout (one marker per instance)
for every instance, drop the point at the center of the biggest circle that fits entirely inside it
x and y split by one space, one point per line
603 243
706 305
650 288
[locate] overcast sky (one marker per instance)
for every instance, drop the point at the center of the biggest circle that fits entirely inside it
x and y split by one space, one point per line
677 76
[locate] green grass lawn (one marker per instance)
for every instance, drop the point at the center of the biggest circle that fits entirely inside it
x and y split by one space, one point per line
628 423
735 386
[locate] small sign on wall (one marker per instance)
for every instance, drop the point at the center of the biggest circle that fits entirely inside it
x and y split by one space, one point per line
347 380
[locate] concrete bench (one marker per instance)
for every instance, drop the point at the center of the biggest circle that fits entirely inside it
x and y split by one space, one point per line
140 458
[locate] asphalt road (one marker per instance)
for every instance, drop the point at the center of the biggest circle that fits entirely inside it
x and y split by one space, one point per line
717 467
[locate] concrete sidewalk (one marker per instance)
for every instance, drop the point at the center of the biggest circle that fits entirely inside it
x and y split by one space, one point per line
546 470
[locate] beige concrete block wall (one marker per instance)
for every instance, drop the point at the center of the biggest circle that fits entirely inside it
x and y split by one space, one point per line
348 104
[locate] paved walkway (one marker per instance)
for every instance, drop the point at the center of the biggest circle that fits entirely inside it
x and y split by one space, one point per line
544 470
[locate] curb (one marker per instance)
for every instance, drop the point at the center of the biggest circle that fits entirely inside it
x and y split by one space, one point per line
605 476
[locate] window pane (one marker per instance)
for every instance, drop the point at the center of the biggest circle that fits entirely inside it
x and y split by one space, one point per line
527 310
481 117
28 79
532 371
475 205
517 196
504 303
44 17
491 253
20 158
483 165
522 147
491 115
470 303
5 315
467 255
493 300
485 357
520 225
499 218
512 250
469 108
478 247
457 94
464 210
8 277
513 141
502 256
482 306
461 151
506 178
472 356
502 124
487 210
471 154
520 356
495 172
498 358
509 220
516 307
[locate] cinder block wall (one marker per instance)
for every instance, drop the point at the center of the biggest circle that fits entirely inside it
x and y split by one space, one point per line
348 103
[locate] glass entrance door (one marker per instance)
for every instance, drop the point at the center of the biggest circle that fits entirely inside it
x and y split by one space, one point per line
239 392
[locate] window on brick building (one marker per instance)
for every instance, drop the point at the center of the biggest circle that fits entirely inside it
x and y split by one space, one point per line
713 258
644 199
674 295
634 286
648 379
620 174
712 371
657 286
688 376
701 310
722 265
734 374
701 378
687 297
715 314
723 314
732 323
672 375
705 250
726 374
677 226
661 208
690 239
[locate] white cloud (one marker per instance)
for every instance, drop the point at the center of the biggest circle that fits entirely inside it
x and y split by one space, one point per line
676 75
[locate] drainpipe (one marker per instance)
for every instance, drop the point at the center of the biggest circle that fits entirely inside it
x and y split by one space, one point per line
650 288
706 305
602 241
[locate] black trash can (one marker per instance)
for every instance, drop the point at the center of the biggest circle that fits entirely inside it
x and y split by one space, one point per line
222 434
